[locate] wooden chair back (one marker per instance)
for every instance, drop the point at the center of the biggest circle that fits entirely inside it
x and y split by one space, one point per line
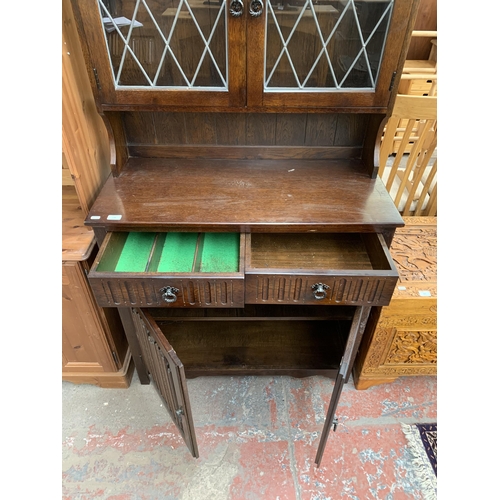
408 155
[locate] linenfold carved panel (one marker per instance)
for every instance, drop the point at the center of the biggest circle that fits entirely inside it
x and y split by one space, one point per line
147 292
339 290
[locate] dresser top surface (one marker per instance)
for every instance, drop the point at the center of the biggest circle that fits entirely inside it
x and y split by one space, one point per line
244 196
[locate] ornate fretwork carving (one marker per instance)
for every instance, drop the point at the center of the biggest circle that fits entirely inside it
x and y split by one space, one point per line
405 340
413 347
414 250
407 321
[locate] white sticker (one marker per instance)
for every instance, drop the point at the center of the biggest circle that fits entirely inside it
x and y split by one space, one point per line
424 293
401 288
114 217
95 217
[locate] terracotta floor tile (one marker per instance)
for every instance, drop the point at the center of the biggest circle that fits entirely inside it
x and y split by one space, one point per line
257 439
405 400
358 463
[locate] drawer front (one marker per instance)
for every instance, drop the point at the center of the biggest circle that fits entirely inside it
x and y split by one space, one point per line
320 269
152 270
169 292
318 290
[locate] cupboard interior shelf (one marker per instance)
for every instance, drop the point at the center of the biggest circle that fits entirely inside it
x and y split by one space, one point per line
275 340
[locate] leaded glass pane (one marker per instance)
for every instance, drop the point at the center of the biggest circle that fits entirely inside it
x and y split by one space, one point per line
166 43
325 45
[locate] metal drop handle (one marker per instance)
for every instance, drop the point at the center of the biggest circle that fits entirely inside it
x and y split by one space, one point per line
320 290
256 8
169 293
236 8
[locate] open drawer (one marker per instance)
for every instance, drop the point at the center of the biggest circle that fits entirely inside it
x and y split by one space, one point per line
320 268
144 269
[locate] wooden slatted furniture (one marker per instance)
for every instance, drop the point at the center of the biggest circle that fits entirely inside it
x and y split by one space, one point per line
244 229
404 341
420 75
408 156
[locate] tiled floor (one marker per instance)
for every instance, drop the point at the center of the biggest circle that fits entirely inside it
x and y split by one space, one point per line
257 438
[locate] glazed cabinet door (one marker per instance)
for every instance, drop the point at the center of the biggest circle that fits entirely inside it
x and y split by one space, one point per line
167 372
333 53
165 52
235 53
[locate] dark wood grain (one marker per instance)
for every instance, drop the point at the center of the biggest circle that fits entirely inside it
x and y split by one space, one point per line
256 312
290 129
135 348
350 130
200 129
278 287
117 141
199 151
230 129
170 128
307 252
261 129
244 196
168 375
355 335
296 170
246 51
140 127
276 347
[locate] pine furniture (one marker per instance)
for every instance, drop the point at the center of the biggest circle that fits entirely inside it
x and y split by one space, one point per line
408 155
244 229
94 349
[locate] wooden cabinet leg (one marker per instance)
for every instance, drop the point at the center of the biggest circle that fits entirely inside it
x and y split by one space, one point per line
135 348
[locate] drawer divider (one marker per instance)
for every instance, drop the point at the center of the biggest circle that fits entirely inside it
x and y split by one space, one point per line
197 254
152 252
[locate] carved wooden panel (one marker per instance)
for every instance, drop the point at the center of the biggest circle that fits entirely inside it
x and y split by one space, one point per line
138 292
348 290
404 341
414 250
419 347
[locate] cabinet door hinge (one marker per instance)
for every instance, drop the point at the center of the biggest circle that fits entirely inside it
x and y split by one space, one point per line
115 357
96 76
392 81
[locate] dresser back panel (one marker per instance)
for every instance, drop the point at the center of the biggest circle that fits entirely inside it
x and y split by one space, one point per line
304 135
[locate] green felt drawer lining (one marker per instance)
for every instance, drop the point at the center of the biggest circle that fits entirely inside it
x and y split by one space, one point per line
220 253
180 253
136 251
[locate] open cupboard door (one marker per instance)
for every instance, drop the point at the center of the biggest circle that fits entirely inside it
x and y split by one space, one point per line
168 375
